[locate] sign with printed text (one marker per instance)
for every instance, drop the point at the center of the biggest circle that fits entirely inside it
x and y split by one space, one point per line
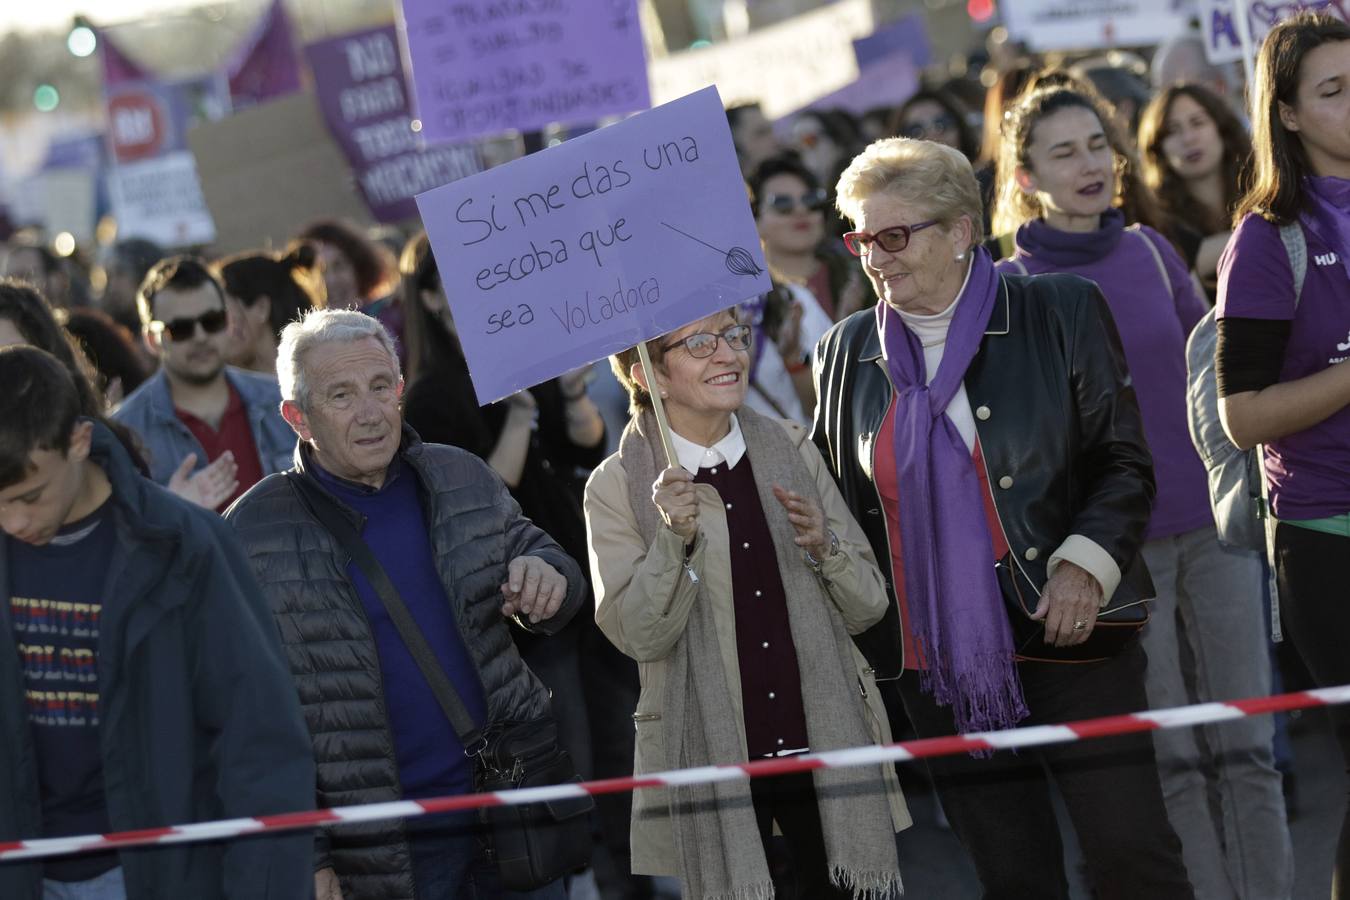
152 185
1218 20
482 67
1090 24
572 254
161 200
783 67
359 79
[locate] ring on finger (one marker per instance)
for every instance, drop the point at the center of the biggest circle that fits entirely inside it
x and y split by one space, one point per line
1080 625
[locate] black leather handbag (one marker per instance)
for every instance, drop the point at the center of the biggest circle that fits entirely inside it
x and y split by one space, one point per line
531 844
1118 623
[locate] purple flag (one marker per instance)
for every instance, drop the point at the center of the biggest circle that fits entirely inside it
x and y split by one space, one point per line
118 68
363 92
265 66
482 67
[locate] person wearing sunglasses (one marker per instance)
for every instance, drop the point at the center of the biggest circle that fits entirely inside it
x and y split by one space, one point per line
983 429
195 407
790 207
734 575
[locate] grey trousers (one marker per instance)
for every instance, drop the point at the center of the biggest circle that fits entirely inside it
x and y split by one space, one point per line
1206 641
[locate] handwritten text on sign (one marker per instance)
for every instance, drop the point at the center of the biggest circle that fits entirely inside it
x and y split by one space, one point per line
567 256
481 67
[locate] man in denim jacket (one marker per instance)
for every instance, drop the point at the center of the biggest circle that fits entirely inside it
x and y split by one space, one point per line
197 415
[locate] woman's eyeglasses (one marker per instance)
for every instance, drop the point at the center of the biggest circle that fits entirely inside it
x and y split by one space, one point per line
921 127
893 240
184 329
811 201
704 344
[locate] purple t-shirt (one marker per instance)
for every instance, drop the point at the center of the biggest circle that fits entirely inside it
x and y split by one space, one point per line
1154 319
1309 471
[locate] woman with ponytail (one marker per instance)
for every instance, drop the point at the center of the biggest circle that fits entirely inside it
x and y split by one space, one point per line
1062 184
1284 330
266 292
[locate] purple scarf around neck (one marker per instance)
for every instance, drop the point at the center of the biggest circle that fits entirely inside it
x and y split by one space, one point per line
1329 214
1071 248
956 609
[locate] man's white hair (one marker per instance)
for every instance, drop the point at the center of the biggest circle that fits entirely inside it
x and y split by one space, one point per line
323 326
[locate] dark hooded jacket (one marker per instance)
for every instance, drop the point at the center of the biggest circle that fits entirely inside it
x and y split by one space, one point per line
476 530
198 719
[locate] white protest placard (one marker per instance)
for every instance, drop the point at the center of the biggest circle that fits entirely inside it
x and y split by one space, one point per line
579 251
161 200
784 67
1092 24
1218 21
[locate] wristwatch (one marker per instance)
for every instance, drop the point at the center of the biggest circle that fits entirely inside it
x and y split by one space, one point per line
834 548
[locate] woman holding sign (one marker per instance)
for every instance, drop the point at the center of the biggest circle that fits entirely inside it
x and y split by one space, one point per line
984 430
1284 334
734 575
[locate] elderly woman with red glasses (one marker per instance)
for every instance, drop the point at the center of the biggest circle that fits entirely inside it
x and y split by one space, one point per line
734 575
983 429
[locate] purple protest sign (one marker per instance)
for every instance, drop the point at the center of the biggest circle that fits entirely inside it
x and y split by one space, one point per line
574 253
481 67
363 93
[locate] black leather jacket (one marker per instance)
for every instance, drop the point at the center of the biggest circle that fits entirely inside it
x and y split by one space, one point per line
1058 423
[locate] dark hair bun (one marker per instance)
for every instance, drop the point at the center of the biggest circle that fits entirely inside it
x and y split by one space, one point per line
303 255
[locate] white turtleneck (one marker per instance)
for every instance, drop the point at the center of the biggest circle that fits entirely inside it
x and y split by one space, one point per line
932 333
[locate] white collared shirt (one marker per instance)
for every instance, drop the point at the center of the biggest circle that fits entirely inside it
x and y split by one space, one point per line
728 450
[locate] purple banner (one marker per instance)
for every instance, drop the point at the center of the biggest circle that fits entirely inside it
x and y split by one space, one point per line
571 254
363 92
482 67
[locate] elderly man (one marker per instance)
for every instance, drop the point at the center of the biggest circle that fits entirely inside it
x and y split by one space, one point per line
460 556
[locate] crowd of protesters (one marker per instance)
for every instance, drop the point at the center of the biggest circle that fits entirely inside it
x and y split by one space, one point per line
975 348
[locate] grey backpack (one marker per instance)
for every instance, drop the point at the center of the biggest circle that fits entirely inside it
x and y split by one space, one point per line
1236 484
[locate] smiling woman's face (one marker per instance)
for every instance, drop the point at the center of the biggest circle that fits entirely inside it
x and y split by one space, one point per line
1070 165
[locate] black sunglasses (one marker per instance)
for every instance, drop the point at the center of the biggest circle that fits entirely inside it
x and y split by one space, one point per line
704 344
212 322
920 127
811 201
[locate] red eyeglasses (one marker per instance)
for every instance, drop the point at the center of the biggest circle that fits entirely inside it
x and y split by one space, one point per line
893 240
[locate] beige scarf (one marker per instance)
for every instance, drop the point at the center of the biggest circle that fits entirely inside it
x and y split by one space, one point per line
717 842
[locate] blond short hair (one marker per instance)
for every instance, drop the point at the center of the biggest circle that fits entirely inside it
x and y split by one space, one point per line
929 175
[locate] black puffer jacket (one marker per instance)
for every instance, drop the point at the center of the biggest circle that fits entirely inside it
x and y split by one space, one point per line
1058 424
476 529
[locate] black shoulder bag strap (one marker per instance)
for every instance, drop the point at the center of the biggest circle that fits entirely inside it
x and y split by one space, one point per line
331 517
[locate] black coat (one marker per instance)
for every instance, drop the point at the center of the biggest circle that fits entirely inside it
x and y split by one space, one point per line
1055 413
198 714
476 529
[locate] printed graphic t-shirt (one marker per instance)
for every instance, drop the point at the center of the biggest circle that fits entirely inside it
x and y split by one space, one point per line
55 604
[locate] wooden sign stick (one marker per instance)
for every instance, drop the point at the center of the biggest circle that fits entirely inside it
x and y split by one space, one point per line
657 406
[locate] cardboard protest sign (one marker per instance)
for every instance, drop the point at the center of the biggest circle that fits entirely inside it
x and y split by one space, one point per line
481 67
1218 21
1089 24
271 169
784 67
569 255
363 93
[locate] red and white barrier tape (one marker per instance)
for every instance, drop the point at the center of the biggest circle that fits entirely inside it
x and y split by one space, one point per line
1033 736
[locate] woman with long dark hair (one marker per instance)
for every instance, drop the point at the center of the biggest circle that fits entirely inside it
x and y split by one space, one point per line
1284 330
1195 155
268 291
1061 182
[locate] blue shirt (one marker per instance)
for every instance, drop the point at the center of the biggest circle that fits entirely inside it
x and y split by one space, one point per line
430 756
55 606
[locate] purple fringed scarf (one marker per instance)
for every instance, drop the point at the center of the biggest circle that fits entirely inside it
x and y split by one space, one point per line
955 607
